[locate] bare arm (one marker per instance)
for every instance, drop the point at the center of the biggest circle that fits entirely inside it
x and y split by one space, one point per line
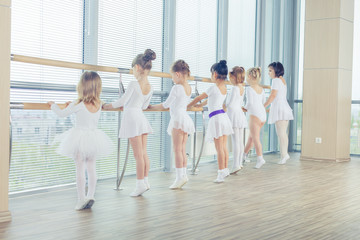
271 98
157 107
197 99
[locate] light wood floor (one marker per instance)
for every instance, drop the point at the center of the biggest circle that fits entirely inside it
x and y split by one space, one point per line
299 200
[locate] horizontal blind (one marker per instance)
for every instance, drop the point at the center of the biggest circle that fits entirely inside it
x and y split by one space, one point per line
46 29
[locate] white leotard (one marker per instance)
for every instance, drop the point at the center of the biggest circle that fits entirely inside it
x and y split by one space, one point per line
177 101
134 122
255 103
219 125
84 138
234 102
280 109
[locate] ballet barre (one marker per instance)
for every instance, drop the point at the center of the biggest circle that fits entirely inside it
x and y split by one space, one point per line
81 66
119 177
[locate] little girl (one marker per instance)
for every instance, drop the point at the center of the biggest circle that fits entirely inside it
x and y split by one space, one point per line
255 99
237 117
134 124
180 125
84 142
219 125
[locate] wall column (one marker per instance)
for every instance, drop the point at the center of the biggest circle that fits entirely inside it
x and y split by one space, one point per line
328 51
5 20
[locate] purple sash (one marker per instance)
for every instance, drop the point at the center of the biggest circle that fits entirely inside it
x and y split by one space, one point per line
216 113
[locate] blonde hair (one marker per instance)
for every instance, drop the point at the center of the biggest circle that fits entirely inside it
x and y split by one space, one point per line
254 73
238 73
89 88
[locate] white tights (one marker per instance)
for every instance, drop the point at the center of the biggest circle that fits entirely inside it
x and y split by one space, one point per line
238 146
281 128
90 165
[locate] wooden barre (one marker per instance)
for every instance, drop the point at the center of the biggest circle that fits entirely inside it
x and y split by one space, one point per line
45 106
73 65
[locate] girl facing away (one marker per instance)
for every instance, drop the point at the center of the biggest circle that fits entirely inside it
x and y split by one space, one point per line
255 99
280 111
234 103
180 125
219 126
84 143
134 124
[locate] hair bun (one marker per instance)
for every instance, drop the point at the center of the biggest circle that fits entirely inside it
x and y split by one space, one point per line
149 55
222 62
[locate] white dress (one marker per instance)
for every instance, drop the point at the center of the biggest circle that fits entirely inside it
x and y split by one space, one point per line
234 102
255 103
220 124
177 102
85 138
280 109
134 122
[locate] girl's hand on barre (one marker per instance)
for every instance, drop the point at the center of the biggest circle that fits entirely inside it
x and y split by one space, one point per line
67 103
244 109
50 103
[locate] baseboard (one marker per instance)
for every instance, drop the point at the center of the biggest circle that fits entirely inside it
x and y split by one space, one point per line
5 216
305 158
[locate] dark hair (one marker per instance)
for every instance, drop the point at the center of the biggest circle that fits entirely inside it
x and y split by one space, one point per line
221 69
238 73
278 68
144 59
181 66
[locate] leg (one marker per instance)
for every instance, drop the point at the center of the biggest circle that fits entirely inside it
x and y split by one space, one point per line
241 145
249 144
80 177
281 127
177 137
185 137
91 172
136 144
220 152
226 151
145 156
235 146
255 125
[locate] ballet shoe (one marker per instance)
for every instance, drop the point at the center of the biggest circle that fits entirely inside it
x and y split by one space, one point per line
89 202
227 172
245 158
147 184
283 161
139 189
80 205
235 170
220 177
178 183
260 163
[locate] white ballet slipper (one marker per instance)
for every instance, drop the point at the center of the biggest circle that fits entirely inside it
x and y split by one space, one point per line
283 161
89 202
178 183
235 170
245 159
220 177
147 184
139 189
259 163
227 172
80 205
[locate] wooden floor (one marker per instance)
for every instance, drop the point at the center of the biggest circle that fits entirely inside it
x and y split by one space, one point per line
299 200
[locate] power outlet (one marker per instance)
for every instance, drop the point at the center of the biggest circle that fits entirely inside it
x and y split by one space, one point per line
318 140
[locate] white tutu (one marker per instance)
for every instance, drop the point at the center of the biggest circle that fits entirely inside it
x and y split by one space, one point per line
219 125
87 142
134 123
280 112
237 118
183 122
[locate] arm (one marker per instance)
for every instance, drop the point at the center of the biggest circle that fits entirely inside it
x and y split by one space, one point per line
197 99
147 102
71 108
157 107
122 100
271 98
248 100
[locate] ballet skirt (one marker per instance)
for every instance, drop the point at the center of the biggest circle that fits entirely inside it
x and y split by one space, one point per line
219 124
279 109
133 122
85 138
177 101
